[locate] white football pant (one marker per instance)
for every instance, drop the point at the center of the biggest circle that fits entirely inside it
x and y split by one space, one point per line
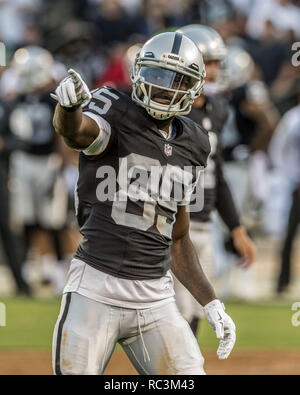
157 340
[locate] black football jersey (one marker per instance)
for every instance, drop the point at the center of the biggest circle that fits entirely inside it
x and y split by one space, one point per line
212 116
128 196
9 142
31 123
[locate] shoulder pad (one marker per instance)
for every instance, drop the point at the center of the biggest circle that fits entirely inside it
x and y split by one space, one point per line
108 103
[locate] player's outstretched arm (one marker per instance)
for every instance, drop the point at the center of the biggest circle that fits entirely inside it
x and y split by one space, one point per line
78 130
187 269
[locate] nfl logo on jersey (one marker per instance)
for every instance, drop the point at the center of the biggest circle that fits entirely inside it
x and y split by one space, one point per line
168 149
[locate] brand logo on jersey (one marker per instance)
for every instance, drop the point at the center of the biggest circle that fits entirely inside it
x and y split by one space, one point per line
168 149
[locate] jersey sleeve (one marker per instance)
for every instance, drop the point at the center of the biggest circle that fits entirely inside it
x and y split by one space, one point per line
202 147
101 142
105 108
107 103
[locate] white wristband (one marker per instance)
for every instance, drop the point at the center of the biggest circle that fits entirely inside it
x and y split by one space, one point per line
101 142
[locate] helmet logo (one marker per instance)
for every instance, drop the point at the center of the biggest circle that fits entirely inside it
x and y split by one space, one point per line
174 57
170 57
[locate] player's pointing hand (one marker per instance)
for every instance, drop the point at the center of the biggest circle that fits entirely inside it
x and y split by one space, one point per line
72 91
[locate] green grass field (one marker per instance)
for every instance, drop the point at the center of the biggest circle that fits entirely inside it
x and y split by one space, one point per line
30 323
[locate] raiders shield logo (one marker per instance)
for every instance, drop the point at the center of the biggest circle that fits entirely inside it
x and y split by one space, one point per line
168 149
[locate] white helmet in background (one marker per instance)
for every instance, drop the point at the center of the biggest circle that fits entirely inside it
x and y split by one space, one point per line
173 63
212 47
209 42
33 66
239 71
239 67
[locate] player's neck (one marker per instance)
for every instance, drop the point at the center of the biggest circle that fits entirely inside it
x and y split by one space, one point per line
164 124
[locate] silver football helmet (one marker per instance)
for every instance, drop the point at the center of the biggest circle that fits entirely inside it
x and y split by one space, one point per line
207 40
212 47
239 67
33 66
172 65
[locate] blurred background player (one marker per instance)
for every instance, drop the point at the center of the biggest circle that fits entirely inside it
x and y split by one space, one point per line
39 193
245 140
210 111
11 250
284 151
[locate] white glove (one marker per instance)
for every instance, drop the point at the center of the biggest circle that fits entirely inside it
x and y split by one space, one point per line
223 325
72 91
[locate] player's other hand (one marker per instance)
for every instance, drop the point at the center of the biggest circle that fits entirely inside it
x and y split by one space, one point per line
223 325
72 91
244 246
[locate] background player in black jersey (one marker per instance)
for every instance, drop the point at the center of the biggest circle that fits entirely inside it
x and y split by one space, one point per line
210 111
39 198
119 287
12 252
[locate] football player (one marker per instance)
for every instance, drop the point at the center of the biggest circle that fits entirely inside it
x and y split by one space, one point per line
39 199
119 287
8 238
210 111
